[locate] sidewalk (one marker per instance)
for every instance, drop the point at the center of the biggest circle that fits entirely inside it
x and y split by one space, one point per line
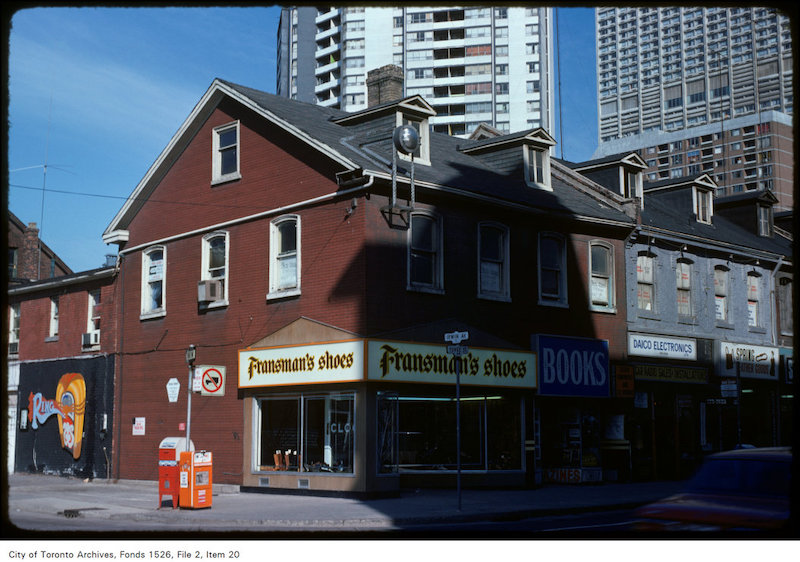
133 505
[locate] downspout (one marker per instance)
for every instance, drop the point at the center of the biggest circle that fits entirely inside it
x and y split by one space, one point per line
118 403
772 304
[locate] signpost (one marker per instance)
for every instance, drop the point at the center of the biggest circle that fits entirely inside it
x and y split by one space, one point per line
191 354
457 351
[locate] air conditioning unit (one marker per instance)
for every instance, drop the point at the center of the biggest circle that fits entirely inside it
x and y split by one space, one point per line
91 338
209 290
13 347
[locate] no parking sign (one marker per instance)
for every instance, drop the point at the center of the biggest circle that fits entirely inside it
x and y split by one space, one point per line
212 380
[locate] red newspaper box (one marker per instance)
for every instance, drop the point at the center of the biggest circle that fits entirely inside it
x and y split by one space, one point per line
168 474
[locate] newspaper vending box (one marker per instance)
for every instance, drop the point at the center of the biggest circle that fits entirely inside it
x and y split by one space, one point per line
168 452
195 474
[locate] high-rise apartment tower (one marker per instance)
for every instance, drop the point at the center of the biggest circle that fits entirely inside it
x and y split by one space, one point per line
473 64
698 89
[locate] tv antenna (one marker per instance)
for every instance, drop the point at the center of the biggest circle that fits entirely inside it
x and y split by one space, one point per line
44 189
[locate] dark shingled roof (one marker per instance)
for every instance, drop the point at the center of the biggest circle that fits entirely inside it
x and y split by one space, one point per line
371 149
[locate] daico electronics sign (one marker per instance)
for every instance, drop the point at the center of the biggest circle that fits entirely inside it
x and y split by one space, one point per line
573 366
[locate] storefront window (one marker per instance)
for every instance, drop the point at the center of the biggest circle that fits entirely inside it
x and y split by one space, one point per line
307 433
419 433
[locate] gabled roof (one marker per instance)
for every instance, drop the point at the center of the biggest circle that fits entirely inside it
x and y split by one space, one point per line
536 136
703 180
415 105
663 216
745 198
368 149
628 158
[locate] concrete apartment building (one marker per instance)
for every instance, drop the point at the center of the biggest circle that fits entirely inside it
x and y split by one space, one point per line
699 90
472 64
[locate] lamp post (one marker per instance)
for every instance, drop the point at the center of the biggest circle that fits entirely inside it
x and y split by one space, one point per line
191 353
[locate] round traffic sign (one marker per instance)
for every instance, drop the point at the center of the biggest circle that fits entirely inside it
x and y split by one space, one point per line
212 380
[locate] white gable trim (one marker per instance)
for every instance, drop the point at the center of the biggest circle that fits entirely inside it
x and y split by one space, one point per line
116 230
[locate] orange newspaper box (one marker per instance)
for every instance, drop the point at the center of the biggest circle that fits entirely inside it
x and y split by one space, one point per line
195 474
168 451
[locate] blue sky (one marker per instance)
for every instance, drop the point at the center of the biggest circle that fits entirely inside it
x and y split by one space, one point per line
97 93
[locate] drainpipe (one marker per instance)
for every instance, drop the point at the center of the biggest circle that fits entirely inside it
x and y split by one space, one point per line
772 301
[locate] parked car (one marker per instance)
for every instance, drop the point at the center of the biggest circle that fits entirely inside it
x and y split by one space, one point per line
745 489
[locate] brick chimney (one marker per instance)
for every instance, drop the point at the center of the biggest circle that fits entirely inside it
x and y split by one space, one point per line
29 253
384 84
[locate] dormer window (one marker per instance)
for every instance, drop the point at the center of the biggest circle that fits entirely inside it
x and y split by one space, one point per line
537 166
703 205
765 220
422 155
631 183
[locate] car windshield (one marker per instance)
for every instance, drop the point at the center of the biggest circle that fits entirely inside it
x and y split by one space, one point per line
751 477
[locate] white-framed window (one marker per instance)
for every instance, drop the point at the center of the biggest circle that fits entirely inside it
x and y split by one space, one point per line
552 269
631 184
425 253
225 156
53 329
765 220
423 153
601 271
13 329
703 205
785 308
683 279
493 261
645 282
753 299
215 264
284 257
93 317
721 282
154 280
537 167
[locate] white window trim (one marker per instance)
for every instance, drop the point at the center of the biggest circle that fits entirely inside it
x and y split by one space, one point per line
90 317
697 194
438 273
643 312
146 313
691 291
13 333
217 176
204 273
52 331
758 300
531 181
505 290
424 157
727 294
611 307
562 301
274 291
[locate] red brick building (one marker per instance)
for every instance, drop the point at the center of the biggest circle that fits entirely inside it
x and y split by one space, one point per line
318 269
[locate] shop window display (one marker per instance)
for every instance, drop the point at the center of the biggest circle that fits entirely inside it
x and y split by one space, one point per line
419 433
307 433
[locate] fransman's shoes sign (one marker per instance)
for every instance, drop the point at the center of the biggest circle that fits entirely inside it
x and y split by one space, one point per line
357 360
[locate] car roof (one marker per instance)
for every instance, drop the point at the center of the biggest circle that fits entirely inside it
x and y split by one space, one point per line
762 453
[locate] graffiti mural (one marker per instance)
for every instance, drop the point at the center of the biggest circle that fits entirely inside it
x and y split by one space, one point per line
70 407
66 413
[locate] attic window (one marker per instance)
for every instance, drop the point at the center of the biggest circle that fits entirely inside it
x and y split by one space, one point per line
537 167
225 156
703 205
422 155
765 220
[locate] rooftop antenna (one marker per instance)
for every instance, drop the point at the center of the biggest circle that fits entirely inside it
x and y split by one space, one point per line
44 189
